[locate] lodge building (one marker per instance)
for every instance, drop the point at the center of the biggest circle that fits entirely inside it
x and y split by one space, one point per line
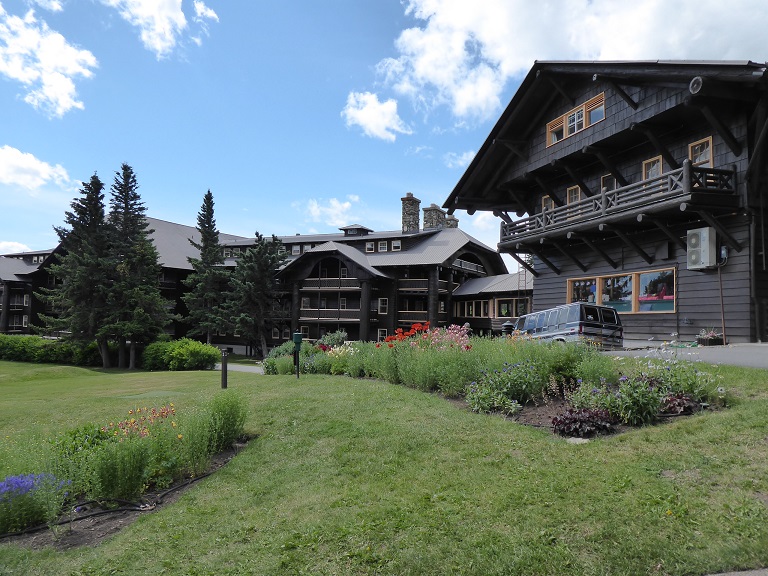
640 185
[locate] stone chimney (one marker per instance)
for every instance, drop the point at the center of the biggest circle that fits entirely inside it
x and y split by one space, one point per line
434 218
410 213
451 221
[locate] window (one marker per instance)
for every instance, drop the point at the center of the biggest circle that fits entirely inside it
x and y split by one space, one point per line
24 321
608 182
304 331
652 168
307 247
227 252
574 194
342 272
382 245
286 333
236 252
547 204
323 303
342 303
26 300
396 245
370 246
383 305
381 334
305 301
700 153
295 249
275 333
573 121
647 291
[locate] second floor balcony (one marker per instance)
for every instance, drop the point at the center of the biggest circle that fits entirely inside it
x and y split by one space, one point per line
330 284
689 187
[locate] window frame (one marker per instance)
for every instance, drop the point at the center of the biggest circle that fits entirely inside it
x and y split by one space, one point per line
609 177
650 162
370 246
637 300
396 245
562 127
295 249
383 306
383 245
703 163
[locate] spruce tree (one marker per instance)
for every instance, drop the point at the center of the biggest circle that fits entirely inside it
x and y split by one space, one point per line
209 281
81 300
138 310
254 294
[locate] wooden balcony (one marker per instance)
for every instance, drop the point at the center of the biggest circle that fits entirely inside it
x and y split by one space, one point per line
330 284
345 315
420 285
688 187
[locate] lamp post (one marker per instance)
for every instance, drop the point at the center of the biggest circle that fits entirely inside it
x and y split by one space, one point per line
224 355
297 348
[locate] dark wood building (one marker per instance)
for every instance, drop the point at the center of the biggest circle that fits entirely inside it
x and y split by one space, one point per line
640 185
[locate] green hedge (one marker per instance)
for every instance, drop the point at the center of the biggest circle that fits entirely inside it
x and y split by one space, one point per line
182 354
47 350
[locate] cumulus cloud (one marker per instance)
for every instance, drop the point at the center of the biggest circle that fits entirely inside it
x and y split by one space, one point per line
43 62
24 172
9 247
454 160
333 212
377 119
160 23
52 5
202 12
462 55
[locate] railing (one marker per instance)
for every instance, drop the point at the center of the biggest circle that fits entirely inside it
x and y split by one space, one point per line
675 185
418 316
420 285
464 265
330 283
329 314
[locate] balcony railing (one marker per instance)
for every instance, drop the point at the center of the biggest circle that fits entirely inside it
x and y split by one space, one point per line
330 283
350 314
653 194
464 265
420 285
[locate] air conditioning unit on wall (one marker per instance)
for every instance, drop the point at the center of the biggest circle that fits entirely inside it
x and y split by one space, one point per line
701 248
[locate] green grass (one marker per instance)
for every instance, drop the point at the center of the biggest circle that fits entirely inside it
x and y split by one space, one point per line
362 477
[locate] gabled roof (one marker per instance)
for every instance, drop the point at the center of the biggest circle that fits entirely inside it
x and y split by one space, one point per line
12 269
479 186
172 242
350 253
503 283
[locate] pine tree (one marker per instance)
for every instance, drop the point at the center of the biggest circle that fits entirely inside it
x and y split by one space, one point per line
84 268
254 294
209 281
138 310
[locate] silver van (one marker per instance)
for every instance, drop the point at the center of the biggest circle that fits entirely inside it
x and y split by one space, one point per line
599 325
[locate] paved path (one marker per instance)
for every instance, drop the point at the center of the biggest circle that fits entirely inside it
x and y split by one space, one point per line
242 368
748 355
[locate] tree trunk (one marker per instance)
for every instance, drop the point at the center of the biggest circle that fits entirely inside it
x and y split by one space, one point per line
208 337
132 356
264 350
103 346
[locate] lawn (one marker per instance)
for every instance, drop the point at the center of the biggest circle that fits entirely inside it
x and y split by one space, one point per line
351 476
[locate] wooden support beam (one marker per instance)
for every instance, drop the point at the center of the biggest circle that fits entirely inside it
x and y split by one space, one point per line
702 86
558 87
756 150
503 215
565 253
548 191
664 228
540 256
524 264
596 249
717 125
727 237
653 139
605 161
578 180
618 89
628 241
514 146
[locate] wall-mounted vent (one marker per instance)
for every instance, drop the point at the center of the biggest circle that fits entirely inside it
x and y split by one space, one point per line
701 248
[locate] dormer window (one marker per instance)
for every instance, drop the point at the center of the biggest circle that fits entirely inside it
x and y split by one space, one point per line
573 121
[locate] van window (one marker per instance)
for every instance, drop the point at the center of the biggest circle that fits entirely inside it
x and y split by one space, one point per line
530 323
552 320
610 316
573 313
591 314
541 321
562 317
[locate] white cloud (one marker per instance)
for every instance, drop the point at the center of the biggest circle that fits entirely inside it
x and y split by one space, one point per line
454 160
25 173
160 22
333 213
43 62
52 5
377 119
9 247
463 54
202 12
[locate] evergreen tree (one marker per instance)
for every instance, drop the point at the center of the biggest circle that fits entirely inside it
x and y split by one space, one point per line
138 311
81 300
209 281
252 304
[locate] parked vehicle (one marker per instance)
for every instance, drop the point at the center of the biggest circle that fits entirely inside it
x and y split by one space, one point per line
600 325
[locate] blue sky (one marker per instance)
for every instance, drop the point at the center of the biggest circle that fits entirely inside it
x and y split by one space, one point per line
299 115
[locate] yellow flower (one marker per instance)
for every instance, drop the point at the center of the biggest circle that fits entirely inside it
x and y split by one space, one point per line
173 423
180 436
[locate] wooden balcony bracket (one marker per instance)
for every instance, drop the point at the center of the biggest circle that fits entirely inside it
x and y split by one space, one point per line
628 241
514 146
548 191
654 140
565 253
596 249
577 179
525 203
726 236
616 88
717 125
605 161
557 86
524 264
664 228
505 217
539 255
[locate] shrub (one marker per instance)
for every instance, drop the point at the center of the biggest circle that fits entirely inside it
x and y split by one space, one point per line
583 422
676 403
227 416
30 500
521 381
333 339
485 399
120 469
182 354
639 400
